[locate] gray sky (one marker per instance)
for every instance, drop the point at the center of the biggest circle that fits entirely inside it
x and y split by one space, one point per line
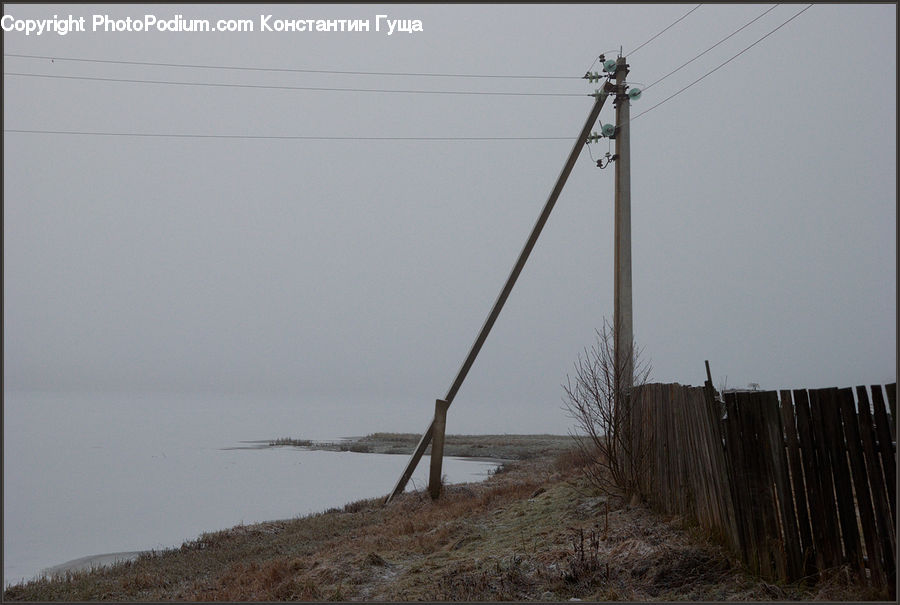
763 204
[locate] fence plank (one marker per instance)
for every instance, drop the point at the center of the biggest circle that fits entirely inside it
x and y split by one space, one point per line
842 484
888 463
661 454
815 499
783 491
831 539
775 541
760 504
742 500
718 478
750 406
707 463
861 483
892 402
674 471
731 495
792 444
693 454
664 428
683 480
720 475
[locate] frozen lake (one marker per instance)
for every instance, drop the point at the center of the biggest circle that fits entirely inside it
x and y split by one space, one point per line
88 475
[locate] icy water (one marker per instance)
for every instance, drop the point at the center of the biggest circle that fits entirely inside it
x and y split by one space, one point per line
88 475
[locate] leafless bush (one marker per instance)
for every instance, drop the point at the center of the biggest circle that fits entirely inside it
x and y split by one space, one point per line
598 398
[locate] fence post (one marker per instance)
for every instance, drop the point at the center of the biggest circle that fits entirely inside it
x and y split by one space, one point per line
437 447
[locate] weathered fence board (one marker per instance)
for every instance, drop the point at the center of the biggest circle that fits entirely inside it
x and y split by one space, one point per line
892 401
831 539
720 479
812 474
883 433
772 553
792 444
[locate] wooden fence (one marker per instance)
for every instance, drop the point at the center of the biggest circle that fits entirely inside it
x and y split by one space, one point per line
795 485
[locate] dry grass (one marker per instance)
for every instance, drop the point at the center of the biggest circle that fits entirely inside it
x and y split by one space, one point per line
533 532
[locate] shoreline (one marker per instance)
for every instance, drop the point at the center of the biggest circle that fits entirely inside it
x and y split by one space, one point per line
94 561
504 448
90 562
497 450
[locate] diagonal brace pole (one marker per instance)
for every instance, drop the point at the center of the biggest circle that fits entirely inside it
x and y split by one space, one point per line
504 293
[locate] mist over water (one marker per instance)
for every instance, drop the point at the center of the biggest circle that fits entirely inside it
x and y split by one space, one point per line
94 474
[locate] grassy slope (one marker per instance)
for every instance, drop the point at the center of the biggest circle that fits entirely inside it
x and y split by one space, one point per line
532 531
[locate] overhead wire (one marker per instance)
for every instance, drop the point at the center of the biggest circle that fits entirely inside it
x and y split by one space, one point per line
284 137
280 137
393 138
663 31
723 64
685 64
292 69
285 87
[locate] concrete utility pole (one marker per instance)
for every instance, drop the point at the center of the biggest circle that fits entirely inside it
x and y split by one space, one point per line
623 338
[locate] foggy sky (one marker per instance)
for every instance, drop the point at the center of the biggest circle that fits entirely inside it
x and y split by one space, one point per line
763 205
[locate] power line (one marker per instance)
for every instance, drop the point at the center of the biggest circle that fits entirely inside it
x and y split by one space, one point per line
291 70
724 63
663 31
284 137
356 138
308 88
713 46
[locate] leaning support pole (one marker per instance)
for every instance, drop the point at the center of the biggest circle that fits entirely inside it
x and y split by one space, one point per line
600 98
413 461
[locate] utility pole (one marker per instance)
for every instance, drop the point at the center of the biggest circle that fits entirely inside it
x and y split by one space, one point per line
623 338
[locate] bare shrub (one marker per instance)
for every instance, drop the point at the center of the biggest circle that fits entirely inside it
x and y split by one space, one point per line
598 398
574 458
